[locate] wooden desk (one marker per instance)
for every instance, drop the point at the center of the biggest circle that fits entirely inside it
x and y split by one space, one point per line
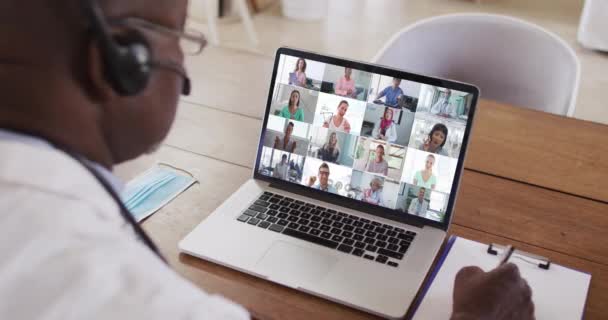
531 179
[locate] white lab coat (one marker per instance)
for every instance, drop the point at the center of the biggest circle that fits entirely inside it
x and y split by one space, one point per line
391 132
67 253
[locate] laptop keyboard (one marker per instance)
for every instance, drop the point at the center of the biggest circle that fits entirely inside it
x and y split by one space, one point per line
349 234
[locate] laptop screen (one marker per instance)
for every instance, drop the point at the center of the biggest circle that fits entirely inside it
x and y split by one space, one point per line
366 133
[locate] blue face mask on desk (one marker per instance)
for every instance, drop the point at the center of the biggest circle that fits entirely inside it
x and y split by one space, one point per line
152 190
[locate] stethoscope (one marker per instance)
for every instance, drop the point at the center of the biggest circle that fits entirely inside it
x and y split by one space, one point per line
124 212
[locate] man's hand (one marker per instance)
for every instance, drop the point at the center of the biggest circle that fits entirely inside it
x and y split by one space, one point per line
501 294
311 181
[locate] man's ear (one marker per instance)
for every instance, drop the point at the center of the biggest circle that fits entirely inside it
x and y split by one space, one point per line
100 87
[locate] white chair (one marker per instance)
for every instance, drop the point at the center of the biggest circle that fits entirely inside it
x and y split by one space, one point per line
510 60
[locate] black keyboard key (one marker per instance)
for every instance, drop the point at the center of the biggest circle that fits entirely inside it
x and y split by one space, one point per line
257 208
315 212
274 201
266 193
337 238
381 259
347 234
325 214
345 248
299 202
392 254
369 240
349 242
359 245
348 221
243 218
381 237
293 218
337 225
305 209
387 227
293 225
358 237
284 209
371 248
336 231
325 228
316 218
354 217
380 230
405 243
404 236
368 227
250 213
331 211
310 238
303 221
284 203
305 215
272 212
391 233
310 205
262 203
358 252
380 244
262 216
368 257
393 240
315 232
264 224
376 223
411 233
370 234
326 221
403 249
358 224
288 199
283 222
364 220
336 218
393 264
272 219
278 196
314 225
348 228
283 215
295 212
399 230
274 207
304 228
325 235
342 214
294 206
253 221
359 231
276 228
392 247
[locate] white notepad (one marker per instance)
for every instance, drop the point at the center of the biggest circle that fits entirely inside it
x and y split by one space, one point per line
557 293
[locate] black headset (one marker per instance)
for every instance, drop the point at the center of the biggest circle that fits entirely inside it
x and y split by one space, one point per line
127 59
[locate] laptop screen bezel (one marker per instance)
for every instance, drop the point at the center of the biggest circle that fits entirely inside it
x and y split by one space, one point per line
339 200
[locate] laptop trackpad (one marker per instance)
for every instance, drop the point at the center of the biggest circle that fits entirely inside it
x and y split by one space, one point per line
293 265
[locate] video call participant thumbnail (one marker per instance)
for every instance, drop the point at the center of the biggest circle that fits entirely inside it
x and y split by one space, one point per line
286 143
443 107
425 177
419 205
323 183
392 93
330 150
281 169
345 86
292 110
298 77
436 140
385 128
338 121
378 164
373 194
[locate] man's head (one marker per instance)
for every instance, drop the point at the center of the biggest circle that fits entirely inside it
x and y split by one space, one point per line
289 129
379 153
396 82
421 194
284 159
55 83
323 174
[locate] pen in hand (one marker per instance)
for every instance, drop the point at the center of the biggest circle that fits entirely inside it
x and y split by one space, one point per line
508 252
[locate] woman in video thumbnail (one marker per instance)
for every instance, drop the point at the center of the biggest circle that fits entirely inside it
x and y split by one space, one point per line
346 85
286 144
292 110
385 128
330 150
337 121
436 140
373 194
378 164
425 178
299 74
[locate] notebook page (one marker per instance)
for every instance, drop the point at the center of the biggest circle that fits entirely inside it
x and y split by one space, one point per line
558 293
437 303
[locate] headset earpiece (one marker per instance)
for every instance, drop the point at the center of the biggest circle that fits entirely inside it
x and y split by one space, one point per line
126 57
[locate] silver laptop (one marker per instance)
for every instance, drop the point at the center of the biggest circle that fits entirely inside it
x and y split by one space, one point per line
352 194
